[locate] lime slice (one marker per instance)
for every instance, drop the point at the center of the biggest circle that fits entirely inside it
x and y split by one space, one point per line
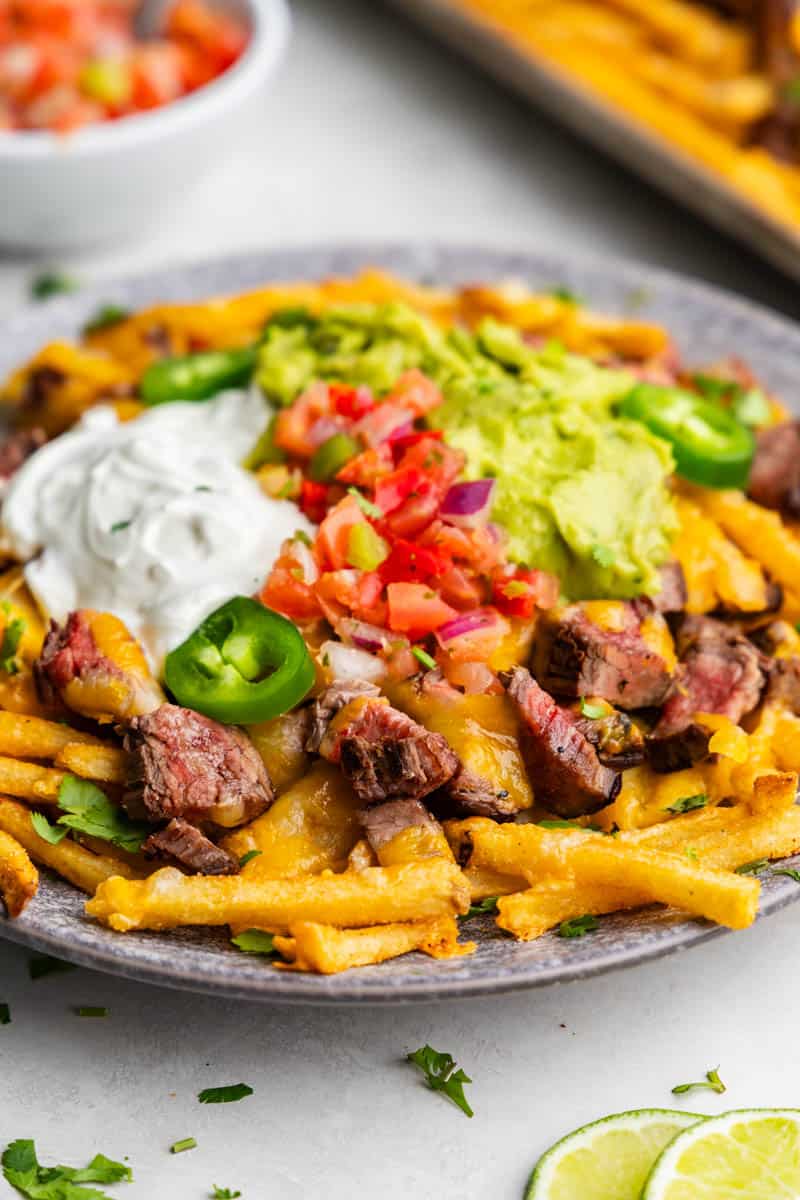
609 1159
753 1154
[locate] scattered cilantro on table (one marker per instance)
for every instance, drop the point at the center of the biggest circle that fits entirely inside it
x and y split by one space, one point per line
442 1075
225 1095
22 1169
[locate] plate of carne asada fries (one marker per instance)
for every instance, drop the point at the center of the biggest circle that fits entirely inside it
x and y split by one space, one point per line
369 638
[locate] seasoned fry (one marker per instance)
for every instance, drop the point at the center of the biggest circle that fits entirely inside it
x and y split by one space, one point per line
757 531
19 878
327 950
377 896
71 860
32 737
106 764
29 780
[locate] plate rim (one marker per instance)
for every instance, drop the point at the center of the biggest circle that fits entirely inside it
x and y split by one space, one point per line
105 951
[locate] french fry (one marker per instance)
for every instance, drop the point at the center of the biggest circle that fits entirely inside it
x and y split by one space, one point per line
71 860
327 950
361 856
19 878
715 569
377 896
758 531
484 882
106 764
32 737
311 827
29 780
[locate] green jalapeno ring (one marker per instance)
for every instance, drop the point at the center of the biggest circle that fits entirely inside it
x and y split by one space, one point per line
197 376
709 445
244 663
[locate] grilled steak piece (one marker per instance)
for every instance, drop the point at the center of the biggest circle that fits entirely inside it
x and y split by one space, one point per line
69 652
385 821
775 473
185 844
673 595
326 706
784 683
618 742
17 447
470 795
566 774
186 765
575 656
385 755
720 672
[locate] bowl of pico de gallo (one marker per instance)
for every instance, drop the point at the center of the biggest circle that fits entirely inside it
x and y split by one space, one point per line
101 126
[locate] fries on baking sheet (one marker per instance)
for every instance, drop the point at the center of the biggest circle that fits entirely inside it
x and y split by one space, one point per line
407 708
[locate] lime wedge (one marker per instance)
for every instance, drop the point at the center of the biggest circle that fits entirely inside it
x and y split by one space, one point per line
753 1154
609 1159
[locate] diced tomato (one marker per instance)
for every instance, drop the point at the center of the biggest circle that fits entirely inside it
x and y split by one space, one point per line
481 548
403 441
416 392
287 592
462 589
293 425
409 563
415 609
438 462
334 533
368 467
157 75
314 500
379 424
347 592
351 402
416 512
519 592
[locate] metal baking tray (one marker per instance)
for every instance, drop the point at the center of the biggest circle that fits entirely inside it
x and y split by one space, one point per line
607 127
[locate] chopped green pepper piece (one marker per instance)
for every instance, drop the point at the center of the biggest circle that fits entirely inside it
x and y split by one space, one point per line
331 456
366 549
197 376
243 664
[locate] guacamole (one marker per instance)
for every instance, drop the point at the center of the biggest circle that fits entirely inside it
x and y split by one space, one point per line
580 491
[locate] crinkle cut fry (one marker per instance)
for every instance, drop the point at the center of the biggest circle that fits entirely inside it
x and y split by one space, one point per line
375 896
19 878
327 950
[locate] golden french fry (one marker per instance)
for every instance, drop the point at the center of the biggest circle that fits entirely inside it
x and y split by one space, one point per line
716 571
376 896
106 764
758 531
311 827
327 950
32 737
484 882
19 878
29 780
71 860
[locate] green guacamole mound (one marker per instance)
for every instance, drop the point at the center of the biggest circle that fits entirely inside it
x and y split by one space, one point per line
579 491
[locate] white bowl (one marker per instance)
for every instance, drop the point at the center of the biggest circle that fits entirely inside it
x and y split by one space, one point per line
110 180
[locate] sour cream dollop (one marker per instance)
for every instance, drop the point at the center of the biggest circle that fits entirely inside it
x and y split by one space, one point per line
153 519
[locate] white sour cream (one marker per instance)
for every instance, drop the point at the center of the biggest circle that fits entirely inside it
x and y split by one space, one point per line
153 519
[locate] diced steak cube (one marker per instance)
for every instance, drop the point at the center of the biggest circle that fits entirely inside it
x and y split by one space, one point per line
784 683
328 704
383 822
775 473
185 844
566 774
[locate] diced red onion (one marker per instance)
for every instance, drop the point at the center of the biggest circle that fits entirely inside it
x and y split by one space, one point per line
474 677
468 622
371 638
305 560
381 423
468 504
348 663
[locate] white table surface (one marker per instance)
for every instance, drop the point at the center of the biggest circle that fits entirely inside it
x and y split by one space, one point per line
370 131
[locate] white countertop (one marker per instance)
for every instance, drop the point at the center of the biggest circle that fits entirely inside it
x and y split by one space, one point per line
372 132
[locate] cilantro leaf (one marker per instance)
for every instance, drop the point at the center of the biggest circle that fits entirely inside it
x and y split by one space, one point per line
21 1168
578 926
481 907
593 711
225 1095
255 941
224 1193
88 810
50 833
51 283
790 872
753 868
5 1014
688 803
118 526
712 1082
106 316
366 506
565 295
12 636
441 1075
248 857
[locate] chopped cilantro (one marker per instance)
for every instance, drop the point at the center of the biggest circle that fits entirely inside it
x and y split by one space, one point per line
578 926
422 656
43 964
565 295
5 1014
87 1011
106 316
691 853
184 1144
88 810
21 1168
255 941
366 506
481 908
688 803
51 283
50 833
753 868
300 535
593 711
712 1082
225 1095
441 1075
118 526
789 872
12 636
558 823
223 1193
248 857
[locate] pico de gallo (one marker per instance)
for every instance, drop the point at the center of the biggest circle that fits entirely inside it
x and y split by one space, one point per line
69 63
406 565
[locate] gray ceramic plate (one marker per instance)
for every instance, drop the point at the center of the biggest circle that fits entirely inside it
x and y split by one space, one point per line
707 324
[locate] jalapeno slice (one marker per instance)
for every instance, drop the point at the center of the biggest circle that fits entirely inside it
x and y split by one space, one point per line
244 663
197 376
709 445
